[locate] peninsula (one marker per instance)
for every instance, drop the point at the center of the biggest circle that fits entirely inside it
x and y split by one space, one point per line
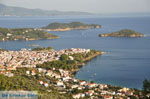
123 33
24 34
51 74
69 26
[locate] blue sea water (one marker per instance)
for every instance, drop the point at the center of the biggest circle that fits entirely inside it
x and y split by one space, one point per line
127 62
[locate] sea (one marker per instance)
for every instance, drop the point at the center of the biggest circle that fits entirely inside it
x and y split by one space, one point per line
126 62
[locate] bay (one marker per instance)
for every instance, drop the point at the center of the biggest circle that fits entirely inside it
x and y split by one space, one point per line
127 62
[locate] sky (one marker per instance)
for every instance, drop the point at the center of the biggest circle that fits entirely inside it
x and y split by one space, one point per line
94 6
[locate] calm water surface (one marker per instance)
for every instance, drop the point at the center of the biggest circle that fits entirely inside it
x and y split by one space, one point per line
127 62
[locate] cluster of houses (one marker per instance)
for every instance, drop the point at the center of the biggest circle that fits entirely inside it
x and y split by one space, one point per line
64 79
28 58
11 35
10 60
7 70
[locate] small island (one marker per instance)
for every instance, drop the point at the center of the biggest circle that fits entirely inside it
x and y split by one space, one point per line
123 33
24 34
69 26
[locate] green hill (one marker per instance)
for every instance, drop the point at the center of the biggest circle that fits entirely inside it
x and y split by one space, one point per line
122 33
24 34
69 26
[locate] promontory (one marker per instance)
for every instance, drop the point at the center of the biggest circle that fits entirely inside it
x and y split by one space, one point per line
24 34
69 26
123 33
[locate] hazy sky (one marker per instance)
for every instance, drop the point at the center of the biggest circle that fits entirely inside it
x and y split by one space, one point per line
96 6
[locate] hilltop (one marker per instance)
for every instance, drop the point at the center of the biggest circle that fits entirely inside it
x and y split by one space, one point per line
122 33
24 34
69 26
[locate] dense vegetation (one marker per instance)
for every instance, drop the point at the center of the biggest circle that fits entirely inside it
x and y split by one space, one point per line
66 63
70 25
146 86
23 81
24 34
29 83
123 33
42 49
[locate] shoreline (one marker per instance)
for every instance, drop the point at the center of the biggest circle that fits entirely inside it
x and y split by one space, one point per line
56 26
27 34
60 73
85 61
30 39
123 33
68 29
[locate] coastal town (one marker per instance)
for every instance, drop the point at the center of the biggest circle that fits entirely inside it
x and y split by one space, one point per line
74 49
28 58
62 80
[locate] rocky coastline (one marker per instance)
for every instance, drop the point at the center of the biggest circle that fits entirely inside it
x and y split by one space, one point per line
69 26
123 33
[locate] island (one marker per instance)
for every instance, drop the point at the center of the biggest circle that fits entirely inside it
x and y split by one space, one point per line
51 72
69 26
24 34
123 33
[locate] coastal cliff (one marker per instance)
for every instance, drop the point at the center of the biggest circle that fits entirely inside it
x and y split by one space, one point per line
69 26
123 33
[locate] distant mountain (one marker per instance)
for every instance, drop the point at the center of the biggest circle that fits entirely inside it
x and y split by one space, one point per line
19 11
140 14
